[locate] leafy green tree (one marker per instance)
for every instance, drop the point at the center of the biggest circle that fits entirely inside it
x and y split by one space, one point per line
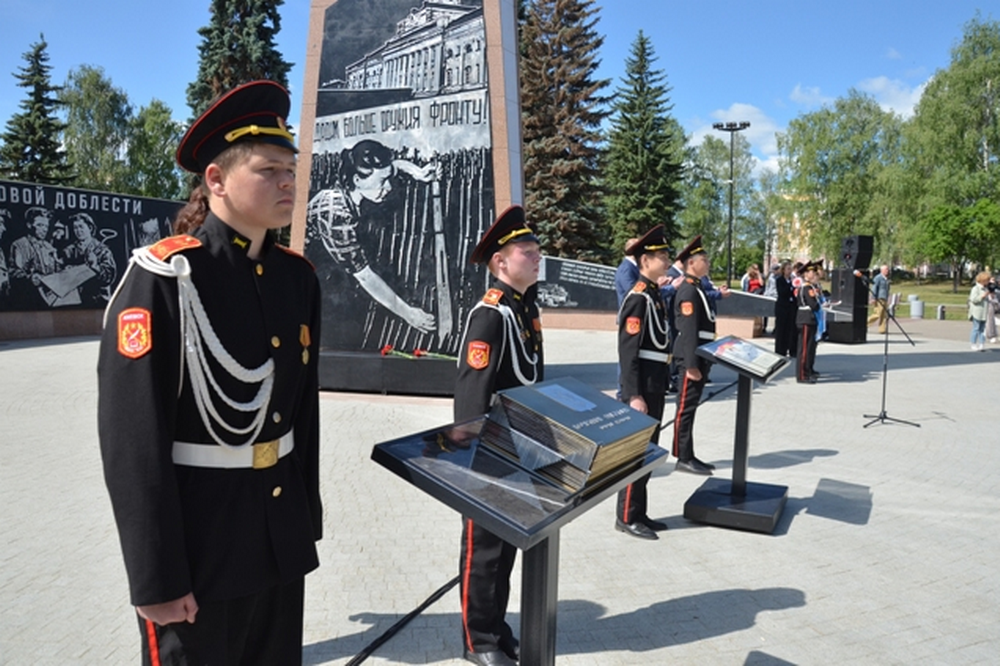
237 46
643 167
706 200
834 157
562 110
31 141
154 136
98 127
952 150
960 234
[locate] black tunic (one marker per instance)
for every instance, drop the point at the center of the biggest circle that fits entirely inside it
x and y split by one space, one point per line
219 533
498 351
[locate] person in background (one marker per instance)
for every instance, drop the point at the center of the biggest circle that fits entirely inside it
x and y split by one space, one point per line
627 272
977 310
208 403
992 308
754 283
809 298
771 287
643 339
501 349
879 299
785 306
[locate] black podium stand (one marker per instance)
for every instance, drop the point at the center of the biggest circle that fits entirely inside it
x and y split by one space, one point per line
451 465
740 504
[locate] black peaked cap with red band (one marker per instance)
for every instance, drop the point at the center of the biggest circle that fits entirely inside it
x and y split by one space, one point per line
254 111
510 227
691 249
653 240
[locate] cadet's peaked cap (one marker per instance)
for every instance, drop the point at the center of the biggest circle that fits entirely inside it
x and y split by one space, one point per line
653 241
691 249
510 227
254 111
812 265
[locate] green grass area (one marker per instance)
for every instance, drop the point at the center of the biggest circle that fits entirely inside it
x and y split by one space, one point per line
933 294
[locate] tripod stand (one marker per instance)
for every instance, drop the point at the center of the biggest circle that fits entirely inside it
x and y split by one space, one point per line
882 416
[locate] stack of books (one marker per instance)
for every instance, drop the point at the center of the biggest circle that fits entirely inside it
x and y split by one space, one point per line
566 432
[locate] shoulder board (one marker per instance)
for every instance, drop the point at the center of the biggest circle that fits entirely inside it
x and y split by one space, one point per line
639 287
492 297
171 245
810 291
691 280
293 253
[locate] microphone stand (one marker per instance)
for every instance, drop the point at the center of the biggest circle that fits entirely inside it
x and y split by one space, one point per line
882 416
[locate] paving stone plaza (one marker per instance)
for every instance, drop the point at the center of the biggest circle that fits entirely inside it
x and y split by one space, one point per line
887 552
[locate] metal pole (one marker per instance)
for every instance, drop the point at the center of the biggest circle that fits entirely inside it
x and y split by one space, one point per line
729 267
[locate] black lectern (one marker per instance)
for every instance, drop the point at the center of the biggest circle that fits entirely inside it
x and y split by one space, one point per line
747 506
523 507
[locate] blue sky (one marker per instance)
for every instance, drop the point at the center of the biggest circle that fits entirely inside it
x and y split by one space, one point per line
765 62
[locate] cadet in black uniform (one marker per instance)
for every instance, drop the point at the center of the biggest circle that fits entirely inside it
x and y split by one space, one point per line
501 349
208 403
695 326
805 319
643 338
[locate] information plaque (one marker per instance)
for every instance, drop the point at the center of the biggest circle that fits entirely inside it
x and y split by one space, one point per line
739 504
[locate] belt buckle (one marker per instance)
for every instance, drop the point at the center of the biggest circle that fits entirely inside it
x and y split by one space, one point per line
265 454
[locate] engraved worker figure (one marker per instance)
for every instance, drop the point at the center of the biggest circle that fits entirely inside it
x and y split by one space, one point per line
367 172
87 250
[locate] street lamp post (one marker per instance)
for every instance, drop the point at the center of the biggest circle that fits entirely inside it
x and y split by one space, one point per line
732 128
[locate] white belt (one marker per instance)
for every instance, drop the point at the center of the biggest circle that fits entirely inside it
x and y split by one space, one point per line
706 335
651 355
258 456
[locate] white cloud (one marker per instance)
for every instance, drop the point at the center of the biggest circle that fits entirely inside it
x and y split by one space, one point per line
760 134
893 95
809 97
893 54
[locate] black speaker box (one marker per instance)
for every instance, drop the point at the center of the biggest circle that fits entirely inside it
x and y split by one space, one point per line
856 252
852 294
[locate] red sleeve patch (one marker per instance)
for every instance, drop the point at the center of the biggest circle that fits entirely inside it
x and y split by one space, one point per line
171 245
492 297
639 287
633 325
478 355
687 308
135 332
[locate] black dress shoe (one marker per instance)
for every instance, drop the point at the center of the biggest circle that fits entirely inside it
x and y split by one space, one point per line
655 525
492 658
692 467
637 530
703 463
810 380
510 647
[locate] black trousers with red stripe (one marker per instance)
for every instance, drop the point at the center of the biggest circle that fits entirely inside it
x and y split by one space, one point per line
484 583
633 498
260 629
806 352
688 398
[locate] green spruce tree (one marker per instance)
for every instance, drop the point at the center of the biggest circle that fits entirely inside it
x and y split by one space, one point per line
237 46
562 110
644 158
31 140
